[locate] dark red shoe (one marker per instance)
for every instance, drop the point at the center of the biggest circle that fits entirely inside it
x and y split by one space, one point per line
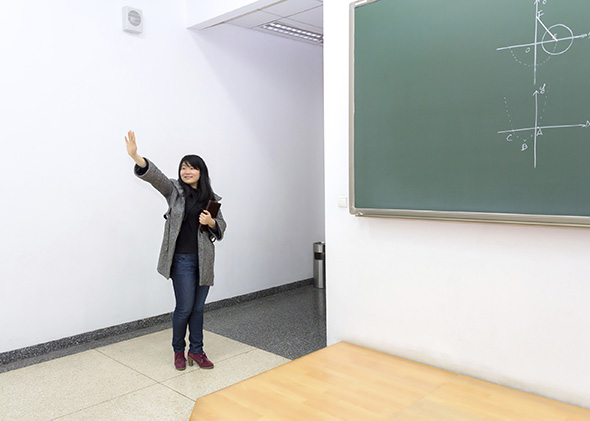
200 359
179 361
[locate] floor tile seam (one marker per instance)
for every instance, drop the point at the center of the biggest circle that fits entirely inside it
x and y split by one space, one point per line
176 391
229 357
127 366
252 349
103 402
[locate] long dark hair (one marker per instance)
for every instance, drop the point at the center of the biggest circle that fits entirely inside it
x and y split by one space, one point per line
204 190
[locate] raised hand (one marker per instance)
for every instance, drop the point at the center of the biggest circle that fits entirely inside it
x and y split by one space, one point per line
132 149
131 144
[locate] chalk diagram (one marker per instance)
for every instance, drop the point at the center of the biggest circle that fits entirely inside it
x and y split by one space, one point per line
556 39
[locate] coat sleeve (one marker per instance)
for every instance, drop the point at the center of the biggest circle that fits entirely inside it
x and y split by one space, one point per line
220 226
156 178
220 223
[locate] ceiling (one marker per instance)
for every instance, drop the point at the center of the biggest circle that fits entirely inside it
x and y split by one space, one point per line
306 15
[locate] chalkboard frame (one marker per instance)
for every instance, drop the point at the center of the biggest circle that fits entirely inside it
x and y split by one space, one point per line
490 217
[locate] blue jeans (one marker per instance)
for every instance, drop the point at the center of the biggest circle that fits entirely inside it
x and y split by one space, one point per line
190 302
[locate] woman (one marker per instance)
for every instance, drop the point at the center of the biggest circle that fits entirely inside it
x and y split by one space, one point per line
187 254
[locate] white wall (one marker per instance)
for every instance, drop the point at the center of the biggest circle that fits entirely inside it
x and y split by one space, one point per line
80 233
505 303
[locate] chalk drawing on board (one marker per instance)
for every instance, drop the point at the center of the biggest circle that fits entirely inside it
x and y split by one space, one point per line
557 39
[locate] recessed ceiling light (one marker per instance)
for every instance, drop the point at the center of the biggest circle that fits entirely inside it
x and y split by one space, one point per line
291 31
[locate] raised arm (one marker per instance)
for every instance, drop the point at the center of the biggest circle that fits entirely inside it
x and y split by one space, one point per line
146 170
132 149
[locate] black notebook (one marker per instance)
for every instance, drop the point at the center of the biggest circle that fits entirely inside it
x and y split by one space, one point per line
213 208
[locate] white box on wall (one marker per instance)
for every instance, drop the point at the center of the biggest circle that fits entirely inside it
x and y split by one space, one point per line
132 20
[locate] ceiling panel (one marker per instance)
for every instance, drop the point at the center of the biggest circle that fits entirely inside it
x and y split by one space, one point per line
254 19
313 17
290 7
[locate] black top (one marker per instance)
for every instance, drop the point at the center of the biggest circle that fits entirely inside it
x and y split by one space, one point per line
187 238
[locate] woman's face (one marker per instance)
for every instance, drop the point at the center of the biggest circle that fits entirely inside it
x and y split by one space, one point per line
189 175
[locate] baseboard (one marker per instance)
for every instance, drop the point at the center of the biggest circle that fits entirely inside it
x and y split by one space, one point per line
258 294
125 331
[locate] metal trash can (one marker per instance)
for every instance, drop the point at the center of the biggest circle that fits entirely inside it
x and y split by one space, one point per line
319 265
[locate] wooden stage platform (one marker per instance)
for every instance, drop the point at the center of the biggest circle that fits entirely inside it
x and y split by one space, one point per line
348 382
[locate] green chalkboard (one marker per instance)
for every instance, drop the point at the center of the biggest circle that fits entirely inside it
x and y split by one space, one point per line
470 109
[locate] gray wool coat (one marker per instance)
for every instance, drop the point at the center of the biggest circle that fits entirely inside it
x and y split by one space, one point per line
174 194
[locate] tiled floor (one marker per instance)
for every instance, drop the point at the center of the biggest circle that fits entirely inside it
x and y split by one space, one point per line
131 380
135 379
